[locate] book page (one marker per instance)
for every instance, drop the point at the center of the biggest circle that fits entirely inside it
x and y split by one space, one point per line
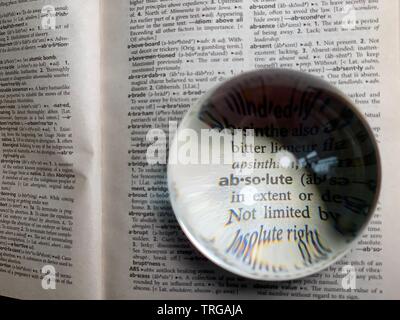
50 208
160 57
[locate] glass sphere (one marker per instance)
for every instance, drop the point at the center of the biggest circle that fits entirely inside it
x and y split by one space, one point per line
273 174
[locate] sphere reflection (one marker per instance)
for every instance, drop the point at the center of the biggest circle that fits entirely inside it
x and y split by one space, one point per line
273 174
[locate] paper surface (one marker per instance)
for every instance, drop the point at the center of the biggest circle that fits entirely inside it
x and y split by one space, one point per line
76 103
173 54
50 219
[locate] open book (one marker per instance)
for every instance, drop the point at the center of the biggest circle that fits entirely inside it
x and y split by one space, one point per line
81 84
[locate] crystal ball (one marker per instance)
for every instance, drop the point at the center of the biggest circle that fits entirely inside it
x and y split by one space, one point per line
273 174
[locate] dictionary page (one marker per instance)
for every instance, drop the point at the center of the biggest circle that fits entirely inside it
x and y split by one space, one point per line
160 57
50 207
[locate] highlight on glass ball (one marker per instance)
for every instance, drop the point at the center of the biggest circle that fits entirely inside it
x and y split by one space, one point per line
273 174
